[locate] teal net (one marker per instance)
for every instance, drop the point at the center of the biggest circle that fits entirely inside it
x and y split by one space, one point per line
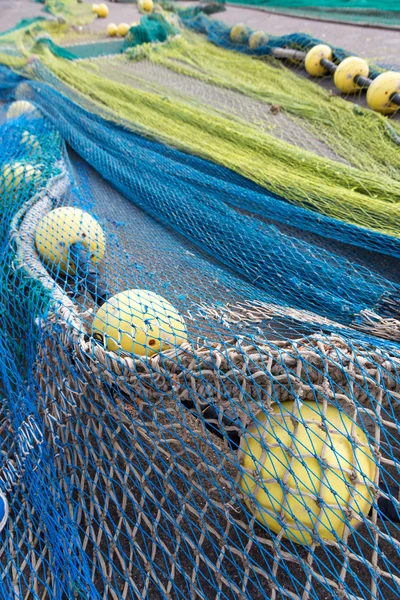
257 456
368 12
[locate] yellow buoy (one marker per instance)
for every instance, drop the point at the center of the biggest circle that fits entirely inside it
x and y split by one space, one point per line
112 29
29 140
239 34
312 62
346 71
65 226
18 108
123 29
16 174
102 11
311 479
380 91
95 8
257 39
139 322
146 6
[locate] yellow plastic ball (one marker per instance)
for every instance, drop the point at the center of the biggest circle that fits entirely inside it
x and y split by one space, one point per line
19 108
65 226
95 8
112 29
102 11
312 62
346 71
309 478
257 39
16 174
146 6
139 322
239 34
23 91
381 90
30 141
123 29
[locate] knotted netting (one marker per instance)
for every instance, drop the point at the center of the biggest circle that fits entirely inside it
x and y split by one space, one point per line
259 458
384 13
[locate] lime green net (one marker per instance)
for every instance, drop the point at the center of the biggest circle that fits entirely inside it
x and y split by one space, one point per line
361 188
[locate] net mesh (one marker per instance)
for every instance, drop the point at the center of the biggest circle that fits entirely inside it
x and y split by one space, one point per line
146 476
368 12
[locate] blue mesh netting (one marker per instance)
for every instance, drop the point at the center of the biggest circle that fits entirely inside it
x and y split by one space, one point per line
122 472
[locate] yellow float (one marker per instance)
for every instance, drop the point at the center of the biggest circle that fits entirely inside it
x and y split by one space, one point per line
123 29
345 76
102 11
139 322
19 108
112 29
380 93
146 6
239 34
16 174
257 39
309 480
65 226
312 62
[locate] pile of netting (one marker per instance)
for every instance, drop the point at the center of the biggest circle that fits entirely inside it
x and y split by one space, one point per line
370 12
230 427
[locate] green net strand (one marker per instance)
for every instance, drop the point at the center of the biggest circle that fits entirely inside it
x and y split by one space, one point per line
333 120
218 33
369 199
365 193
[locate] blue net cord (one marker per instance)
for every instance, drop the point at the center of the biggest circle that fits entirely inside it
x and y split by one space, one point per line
320 283
131 494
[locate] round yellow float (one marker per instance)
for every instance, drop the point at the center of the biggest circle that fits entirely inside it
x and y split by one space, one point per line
239 34
65 226
380 91
313 481
95 8
312 62
16 174
346 72
112 29
146 6
19 108
102 11
123 29
257 39
139 322
30 141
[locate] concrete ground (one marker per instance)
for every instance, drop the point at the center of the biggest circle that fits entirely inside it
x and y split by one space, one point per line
12 11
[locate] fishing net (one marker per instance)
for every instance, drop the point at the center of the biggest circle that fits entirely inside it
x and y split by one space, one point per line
368 12
259 457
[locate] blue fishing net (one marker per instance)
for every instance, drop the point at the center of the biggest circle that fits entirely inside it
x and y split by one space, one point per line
124 473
